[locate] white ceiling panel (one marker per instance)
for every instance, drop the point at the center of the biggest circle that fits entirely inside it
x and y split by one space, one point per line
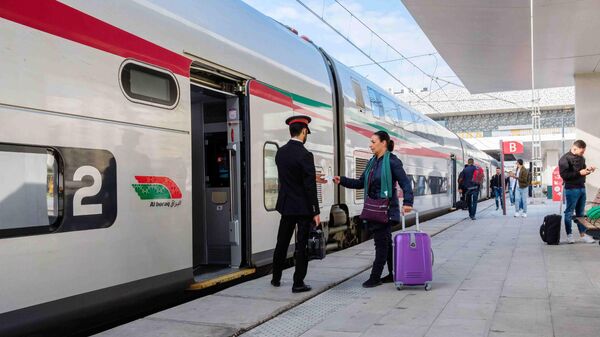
487 42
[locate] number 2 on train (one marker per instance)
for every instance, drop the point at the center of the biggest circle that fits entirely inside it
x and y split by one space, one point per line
88 191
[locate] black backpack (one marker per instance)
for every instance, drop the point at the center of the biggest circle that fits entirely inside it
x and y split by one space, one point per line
550 229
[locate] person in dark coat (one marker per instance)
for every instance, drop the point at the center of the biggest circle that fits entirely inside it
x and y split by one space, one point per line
497 190
297 201
382 232
470 187
573 170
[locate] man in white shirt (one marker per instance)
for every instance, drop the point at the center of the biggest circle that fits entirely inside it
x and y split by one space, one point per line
512 182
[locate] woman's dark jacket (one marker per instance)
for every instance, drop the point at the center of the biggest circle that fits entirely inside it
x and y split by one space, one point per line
398 176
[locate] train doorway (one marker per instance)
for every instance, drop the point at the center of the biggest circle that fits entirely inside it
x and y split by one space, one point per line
454 180
216 175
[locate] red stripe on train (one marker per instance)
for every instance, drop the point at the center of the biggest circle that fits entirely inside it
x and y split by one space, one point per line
66 22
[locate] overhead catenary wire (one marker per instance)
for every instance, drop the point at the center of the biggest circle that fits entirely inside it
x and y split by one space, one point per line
363 52
402 56
392 60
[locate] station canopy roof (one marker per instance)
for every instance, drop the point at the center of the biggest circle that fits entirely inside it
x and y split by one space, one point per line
487 42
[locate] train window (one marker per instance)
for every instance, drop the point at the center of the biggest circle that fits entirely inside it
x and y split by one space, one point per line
376 104
391 109
147 85
421 185
270 176
29 190
438 185
358 94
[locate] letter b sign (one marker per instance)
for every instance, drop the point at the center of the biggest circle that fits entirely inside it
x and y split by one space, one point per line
512 147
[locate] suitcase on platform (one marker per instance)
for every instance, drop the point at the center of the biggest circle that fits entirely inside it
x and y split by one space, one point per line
550 229
413 257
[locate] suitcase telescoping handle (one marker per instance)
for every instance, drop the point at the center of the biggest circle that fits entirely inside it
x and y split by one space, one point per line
403 217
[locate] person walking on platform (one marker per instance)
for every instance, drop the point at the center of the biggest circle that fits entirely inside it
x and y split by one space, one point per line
573 170
379 180
297 201
471 187
521 189
511 182
496 184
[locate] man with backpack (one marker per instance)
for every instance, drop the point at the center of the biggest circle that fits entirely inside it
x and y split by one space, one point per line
471 178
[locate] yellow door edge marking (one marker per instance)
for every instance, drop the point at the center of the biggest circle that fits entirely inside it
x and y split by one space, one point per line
221 279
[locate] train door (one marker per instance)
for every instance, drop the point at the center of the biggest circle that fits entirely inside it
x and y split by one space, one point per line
216 176
487 183
453 179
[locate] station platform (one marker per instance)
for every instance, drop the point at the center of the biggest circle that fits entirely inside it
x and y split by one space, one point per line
492 277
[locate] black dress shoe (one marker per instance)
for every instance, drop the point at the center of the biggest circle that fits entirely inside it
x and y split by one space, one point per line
275 283
370 283
301 289
387 279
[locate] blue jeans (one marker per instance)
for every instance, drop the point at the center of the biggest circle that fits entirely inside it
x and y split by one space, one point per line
521 199
472 197
575 198
511 194
498 196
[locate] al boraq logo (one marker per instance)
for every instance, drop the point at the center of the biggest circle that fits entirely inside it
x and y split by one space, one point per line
161 191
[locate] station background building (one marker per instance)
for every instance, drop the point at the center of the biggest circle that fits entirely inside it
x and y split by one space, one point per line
497 46
486 119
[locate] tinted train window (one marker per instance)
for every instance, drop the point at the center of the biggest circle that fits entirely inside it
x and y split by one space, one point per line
376 104
438 185
391 109
270 176
427 185
29 190
148 85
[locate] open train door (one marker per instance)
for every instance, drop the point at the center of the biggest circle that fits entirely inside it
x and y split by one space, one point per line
218 99
234 144
454 179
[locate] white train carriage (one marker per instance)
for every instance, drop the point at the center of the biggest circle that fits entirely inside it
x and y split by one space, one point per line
137 144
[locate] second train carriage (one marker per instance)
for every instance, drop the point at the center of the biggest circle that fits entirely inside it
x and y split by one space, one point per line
138 142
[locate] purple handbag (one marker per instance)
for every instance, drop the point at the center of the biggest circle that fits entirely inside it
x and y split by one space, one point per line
375 210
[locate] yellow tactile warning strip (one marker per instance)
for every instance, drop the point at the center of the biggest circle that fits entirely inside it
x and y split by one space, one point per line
222 279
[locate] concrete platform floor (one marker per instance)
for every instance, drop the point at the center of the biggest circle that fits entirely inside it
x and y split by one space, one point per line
247 305
492 277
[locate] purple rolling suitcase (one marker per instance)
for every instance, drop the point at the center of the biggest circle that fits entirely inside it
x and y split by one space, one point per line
413 257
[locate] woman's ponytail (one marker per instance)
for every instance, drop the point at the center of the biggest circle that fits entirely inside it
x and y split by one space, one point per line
390 145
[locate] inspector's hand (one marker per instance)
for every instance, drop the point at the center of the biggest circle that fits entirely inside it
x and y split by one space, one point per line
406 209
592 168
336 179
585 172
317 221
320 178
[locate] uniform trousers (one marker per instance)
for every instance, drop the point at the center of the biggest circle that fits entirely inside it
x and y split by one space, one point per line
287 224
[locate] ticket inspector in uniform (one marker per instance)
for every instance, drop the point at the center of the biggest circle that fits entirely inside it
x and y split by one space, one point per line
296 202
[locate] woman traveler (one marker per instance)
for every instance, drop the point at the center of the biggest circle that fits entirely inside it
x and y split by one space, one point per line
379 179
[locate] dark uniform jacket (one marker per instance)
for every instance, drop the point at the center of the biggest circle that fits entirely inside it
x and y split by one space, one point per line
398 175
297 184
496 181
569 166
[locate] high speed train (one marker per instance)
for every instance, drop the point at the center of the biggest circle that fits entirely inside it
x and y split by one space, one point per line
137 146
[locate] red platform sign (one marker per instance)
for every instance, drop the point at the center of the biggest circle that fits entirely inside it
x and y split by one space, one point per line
512 147
557 185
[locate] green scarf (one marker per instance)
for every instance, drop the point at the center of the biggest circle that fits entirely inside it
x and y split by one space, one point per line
386 176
